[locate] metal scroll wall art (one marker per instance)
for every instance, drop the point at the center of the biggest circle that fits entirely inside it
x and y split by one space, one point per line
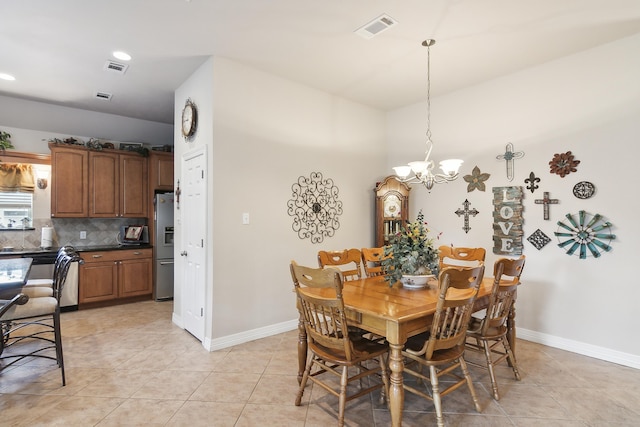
584 235
315 207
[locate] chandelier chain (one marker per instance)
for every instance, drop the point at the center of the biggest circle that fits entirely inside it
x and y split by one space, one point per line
428 92
423 171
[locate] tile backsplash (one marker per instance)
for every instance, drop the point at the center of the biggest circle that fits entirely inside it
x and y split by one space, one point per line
67 231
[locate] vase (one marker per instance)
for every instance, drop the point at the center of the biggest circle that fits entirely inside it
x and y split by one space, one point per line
415 281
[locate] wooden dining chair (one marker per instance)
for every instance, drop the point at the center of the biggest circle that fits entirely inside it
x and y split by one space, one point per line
347 260
34 320
489 334
441 349
460 256
371 261
331 351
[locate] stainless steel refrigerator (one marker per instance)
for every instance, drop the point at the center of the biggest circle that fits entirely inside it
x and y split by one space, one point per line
163 262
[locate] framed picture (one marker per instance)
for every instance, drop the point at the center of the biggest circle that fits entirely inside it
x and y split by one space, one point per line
130 146
133 232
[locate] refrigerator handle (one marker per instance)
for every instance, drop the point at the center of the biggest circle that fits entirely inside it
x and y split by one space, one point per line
166 262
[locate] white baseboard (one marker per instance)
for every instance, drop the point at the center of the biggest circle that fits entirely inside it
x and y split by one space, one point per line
177 320
578 347
590 350
246 336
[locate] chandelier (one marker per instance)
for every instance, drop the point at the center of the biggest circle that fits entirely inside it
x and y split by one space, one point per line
423 170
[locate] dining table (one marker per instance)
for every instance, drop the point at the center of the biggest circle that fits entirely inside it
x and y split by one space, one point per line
13 276
396 313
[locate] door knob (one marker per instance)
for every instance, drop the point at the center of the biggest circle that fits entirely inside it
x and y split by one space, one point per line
183 253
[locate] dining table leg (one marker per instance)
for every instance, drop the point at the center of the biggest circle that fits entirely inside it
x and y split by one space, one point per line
396 389
302 349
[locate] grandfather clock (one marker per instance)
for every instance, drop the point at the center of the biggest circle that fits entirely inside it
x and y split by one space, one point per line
392 208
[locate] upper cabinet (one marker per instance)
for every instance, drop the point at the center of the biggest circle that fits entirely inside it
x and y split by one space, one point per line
98 184
161 174
134 175
104 185
69 182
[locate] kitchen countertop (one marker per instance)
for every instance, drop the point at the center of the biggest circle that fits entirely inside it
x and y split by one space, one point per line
27 251
93 248
89 248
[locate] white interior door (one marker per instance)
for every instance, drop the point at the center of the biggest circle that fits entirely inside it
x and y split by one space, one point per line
194 223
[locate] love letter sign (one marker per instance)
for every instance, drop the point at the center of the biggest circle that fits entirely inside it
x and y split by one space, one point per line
507 220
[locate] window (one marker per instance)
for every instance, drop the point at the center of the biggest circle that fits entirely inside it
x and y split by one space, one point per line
16 211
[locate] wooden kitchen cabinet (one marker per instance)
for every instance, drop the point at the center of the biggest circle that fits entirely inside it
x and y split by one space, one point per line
104 185
69 182
98 184
117 185
134 181
161 170
109 276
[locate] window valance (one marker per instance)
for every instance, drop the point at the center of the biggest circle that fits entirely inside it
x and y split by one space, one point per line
16 177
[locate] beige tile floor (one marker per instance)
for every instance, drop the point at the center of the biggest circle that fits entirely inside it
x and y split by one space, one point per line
130 366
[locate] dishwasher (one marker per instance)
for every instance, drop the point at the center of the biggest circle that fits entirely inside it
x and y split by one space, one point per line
42 268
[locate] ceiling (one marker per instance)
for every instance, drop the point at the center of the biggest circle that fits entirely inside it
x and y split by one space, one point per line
57 50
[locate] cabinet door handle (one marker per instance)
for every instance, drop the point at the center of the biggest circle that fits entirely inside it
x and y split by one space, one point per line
183 253
137 253
96 256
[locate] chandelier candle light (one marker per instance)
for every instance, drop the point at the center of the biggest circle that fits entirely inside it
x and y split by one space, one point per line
423 170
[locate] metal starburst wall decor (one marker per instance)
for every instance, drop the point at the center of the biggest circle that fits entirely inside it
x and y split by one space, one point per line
563 164
315 207
585 235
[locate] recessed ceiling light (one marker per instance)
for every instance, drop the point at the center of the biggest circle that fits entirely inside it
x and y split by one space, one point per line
9 77
123 56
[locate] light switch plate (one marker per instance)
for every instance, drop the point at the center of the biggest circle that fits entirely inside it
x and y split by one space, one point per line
245 218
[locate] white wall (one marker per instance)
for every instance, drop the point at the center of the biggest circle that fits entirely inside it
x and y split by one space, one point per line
588 104
30 122
199 88
268 132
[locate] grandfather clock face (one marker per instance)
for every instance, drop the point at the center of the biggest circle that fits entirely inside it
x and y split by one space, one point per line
391 206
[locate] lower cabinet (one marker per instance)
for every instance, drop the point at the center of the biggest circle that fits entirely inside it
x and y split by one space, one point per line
112 275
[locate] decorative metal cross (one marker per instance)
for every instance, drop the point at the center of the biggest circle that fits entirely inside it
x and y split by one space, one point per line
509 156
546 201
466 212
178 192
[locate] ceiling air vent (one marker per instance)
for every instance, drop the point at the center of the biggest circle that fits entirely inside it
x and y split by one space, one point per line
116 67
104 96
375 27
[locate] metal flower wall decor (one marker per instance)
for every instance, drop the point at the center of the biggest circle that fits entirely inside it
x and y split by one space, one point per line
476 180
315 207
563 164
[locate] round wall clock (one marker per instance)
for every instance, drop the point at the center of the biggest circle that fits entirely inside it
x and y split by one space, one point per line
189 119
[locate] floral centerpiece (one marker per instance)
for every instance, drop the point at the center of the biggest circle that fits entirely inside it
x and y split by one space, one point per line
410 252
